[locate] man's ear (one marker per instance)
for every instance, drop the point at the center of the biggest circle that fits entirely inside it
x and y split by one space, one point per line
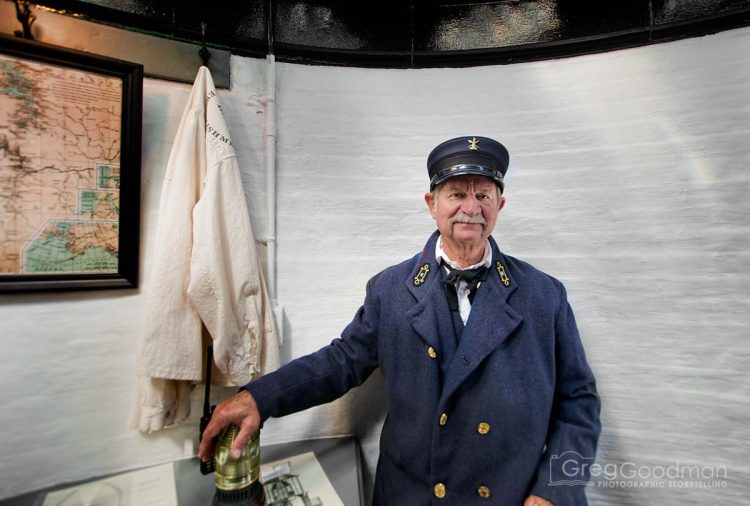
500 204
430 201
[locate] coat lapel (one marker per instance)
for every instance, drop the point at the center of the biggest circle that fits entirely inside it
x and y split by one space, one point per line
430 316
491 321
492 318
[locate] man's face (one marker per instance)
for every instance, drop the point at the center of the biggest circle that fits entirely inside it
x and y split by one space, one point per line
465 209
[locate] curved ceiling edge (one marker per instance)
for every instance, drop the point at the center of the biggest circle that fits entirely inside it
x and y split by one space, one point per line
418 33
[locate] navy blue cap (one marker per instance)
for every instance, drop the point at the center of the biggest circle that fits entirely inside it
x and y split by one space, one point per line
463 156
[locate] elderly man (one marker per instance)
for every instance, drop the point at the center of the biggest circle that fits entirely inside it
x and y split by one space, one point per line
490 397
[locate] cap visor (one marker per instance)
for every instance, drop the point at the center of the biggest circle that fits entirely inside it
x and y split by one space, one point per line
466 170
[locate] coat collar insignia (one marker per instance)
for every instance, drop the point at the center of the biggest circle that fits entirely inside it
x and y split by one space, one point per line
422 274
504 279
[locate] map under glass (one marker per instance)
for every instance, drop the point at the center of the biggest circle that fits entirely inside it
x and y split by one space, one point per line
59 169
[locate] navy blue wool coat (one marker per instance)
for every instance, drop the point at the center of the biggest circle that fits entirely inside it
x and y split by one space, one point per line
489 425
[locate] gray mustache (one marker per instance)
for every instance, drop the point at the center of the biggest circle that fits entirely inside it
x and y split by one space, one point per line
462 217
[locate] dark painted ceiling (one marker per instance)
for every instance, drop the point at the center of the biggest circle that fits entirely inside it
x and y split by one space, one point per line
417 33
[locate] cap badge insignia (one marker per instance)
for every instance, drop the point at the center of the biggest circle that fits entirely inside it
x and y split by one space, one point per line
473 144
504 279
421 275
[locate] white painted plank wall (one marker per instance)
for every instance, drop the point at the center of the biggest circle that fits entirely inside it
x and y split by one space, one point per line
628 181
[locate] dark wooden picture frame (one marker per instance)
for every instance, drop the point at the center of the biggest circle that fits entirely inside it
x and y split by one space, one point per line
75 267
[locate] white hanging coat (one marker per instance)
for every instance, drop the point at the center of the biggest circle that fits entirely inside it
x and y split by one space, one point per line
206 271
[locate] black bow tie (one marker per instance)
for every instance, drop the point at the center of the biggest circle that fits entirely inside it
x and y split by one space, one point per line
472 276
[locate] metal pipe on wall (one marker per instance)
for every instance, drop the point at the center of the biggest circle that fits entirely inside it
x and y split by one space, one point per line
270 152
270 149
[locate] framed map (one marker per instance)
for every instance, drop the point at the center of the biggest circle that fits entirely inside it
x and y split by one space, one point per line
70 146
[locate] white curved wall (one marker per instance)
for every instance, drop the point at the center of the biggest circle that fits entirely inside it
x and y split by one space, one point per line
629 181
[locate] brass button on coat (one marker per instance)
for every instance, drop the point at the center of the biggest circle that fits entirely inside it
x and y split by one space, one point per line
483 428
484 492
443 419
431 352
439 490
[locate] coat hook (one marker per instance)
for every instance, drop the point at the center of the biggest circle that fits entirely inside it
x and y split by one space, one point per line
204 53
24 15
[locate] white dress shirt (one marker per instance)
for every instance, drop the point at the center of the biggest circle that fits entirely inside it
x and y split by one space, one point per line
462 290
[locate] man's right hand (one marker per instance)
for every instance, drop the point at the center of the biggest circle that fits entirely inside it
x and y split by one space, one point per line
241 410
